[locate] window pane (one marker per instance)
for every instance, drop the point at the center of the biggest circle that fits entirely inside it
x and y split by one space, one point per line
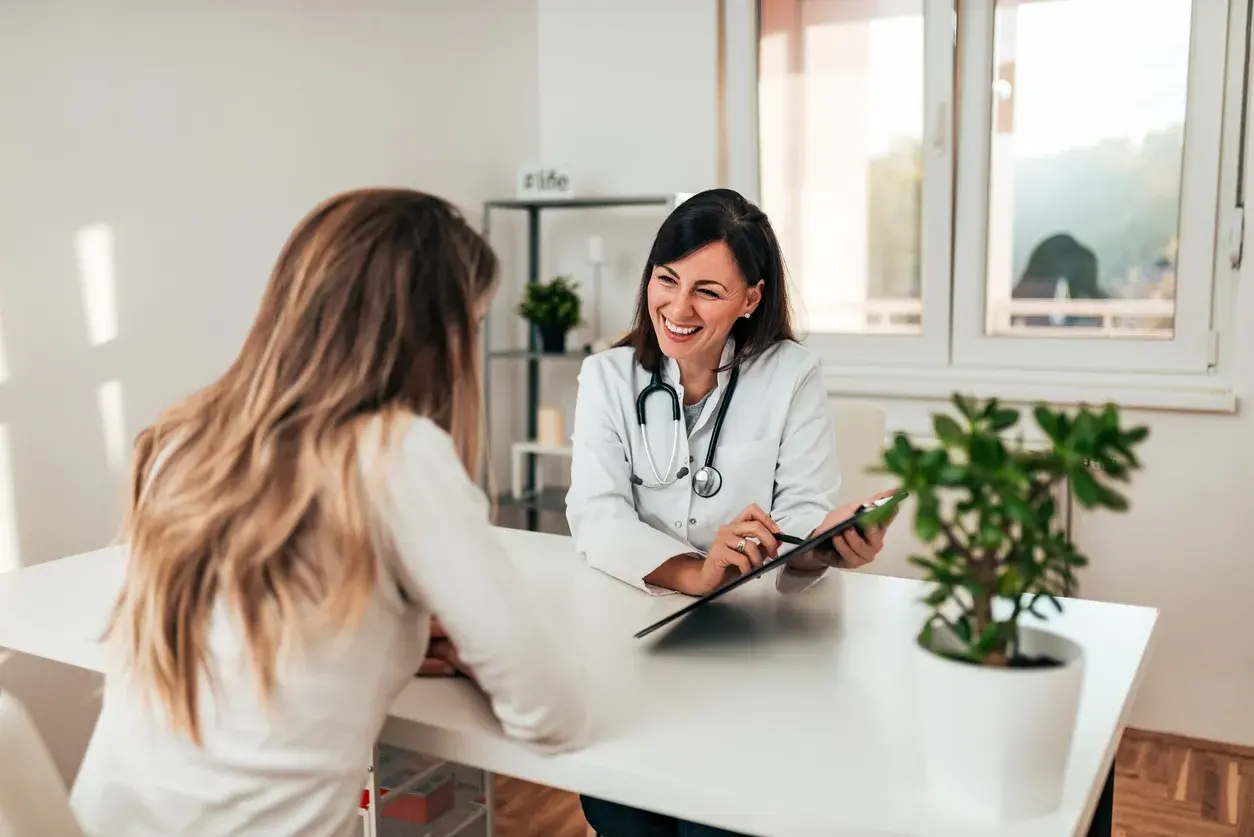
1087 143
840 105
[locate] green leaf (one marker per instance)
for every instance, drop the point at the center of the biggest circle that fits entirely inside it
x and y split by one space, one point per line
1084 433
986 452
926 638
963 629
1003 418
1048 422
991 535
993 635
903 448
966 406
1017 509
926 526
1111 499
1085 487
1009 583
947 430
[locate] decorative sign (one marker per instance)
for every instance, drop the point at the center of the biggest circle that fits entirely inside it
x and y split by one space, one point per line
544 182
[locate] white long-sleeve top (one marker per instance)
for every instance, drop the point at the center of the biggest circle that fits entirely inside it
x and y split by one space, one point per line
298 767
777 449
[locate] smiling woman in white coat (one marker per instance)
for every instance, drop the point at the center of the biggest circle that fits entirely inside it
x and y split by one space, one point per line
705 433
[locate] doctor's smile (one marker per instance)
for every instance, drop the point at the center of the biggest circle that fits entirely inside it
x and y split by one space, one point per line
694 300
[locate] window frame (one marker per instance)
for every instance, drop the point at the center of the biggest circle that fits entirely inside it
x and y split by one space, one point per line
930 347
981 367
1190 349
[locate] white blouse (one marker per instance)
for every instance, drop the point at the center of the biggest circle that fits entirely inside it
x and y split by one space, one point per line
298 766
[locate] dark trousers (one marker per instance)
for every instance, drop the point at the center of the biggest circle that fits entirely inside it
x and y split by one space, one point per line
609 819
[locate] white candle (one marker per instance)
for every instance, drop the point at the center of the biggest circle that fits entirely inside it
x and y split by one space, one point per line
550 427
596 249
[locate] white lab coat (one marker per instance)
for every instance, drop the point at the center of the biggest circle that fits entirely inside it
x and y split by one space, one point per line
776 449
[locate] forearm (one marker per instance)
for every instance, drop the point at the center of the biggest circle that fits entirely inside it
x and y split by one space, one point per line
681 573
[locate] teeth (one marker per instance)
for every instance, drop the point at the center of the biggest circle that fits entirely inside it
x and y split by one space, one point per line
674 329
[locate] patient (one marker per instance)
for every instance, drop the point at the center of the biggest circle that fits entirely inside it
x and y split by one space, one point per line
294 526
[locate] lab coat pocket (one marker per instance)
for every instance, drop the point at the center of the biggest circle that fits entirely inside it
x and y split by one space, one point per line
748 470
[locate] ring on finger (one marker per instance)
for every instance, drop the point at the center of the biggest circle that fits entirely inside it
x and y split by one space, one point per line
740 547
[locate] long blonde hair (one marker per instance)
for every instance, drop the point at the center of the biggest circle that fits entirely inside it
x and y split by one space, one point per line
249 490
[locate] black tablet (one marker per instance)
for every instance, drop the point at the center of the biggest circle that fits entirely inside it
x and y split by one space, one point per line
803 547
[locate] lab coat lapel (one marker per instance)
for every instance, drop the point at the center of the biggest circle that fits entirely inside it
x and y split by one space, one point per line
712 403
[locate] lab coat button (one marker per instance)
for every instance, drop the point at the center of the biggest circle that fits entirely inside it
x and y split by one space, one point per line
692 521
679 524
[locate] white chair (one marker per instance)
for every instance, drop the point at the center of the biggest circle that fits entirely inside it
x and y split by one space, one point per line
33 798
860 440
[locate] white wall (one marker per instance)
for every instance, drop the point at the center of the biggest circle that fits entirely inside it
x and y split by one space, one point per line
1186 551
626 107
199 133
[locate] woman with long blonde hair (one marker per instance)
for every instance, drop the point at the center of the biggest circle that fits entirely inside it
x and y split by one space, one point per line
292 530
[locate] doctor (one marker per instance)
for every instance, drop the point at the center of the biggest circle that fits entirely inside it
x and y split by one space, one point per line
705 433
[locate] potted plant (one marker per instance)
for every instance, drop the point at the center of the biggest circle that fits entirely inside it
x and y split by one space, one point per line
997 693
553 310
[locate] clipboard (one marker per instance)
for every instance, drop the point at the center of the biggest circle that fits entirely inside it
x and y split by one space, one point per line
803 547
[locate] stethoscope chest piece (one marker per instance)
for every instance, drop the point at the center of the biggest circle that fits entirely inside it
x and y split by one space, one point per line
707 481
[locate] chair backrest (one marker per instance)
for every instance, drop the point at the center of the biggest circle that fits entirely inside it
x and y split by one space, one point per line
860 439
33 798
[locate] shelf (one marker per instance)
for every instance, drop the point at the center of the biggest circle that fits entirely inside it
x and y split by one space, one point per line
527 354
581 203
466 811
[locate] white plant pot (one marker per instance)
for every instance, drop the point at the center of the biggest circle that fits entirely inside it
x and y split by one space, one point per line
996 741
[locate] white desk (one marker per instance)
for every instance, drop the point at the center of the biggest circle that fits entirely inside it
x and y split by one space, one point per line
769 715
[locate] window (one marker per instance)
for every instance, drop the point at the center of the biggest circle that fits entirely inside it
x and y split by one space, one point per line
856 181
1010 185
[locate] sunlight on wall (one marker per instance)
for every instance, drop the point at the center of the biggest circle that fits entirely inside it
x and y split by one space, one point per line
10 552
113 423
94 246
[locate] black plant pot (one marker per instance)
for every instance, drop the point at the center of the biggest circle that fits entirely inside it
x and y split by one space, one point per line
552 338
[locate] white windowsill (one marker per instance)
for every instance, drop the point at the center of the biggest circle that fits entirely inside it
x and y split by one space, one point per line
1188 393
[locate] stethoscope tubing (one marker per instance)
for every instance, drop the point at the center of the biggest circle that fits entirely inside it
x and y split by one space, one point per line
707 474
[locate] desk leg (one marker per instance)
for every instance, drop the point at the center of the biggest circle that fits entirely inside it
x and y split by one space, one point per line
1103 823
489 798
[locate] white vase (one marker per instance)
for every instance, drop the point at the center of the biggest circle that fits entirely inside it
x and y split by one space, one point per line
996 741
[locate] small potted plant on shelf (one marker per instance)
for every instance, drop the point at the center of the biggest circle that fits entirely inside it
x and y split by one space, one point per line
996 692
553 310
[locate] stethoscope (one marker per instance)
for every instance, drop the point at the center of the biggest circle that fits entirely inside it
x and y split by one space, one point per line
707 480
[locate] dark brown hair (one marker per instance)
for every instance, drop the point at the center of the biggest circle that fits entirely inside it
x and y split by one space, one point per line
258 501
705 218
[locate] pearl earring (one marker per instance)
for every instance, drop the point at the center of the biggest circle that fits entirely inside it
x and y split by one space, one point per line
746 314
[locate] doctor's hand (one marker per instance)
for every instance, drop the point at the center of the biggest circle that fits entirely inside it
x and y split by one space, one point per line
849 550
740 546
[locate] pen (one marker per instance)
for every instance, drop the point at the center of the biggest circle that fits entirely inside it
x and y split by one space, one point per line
795 541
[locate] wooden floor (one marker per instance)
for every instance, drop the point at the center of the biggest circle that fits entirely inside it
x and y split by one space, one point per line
1165 786
1175 787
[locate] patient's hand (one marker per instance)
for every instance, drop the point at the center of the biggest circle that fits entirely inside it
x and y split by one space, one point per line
442 658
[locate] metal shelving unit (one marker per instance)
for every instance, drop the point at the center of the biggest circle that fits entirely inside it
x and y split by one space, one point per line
473 802
532 503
